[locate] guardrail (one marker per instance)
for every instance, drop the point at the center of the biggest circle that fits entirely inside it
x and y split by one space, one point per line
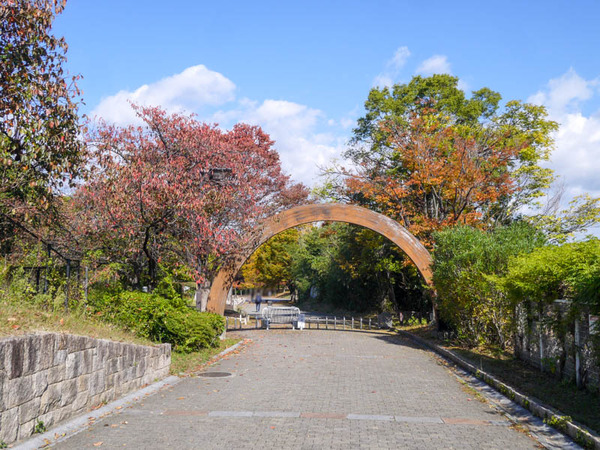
310 322
280 315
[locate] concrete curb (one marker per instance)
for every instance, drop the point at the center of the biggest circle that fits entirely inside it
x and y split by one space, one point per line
80 423
577 433
218 356
227 350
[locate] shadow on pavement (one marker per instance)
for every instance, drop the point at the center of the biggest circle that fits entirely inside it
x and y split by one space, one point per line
399 340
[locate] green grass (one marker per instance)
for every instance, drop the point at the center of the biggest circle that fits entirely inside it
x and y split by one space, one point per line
187 363
581 405
23 319
18 319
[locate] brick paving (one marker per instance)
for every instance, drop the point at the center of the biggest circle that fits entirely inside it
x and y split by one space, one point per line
312 390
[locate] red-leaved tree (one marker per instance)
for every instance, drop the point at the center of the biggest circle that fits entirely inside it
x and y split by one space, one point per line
180 189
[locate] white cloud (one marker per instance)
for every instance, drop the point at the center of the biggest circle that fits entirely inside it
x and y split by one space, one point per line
437 64
189 90
565 93
400 57
577 156
383 80
347 122
294 127
304 136
392 68
464 86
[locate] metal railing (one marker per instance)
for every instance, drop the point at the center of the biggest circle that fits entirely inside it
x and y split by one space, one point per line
341 323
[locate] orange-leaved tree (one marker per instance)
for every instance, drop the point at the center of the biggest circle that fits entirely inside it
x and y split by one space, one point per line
429 157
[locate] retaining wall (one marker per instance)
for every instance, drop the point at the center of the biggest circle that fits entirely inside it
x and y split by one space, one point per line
570 356
49 377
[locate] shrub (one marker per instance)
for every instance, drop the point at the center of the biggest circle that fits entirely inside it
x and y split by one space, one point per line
568 271
162 318
466 260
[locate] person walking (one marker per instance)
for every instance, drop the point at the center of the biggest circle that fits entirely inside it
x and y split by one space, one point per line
258 300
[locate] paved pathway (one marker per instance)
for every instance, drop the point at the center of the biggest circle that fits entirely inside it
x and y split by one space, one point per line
312 390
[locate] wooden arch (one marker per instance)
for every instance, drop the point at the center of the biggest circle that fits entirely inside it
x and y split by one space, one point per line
331 212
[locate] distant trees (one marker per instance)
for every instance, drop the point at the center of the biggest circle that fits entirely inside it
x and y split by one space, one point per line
354 268
271 264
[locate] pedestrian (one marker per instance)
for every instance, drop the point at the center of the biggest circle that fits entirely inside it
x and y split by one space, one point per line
258 300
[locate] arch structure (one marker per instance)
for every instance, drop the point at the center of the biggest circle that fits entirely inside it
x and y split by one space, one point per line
331 212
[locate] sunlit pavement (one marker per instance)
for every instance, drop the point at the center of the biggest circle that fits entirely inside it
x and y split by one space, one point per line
312 389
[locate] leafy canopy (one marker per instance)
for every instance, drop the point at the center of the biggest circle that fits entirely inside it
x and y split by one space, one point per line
180 190
430 157
39 147
466 262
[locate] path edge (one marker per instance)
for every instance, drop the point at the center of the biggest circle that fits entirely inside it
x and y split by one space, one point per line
81 422
580 435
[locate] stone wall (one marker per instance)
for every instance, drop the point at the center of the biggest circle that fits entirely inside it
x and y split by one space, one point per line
538 344
50 377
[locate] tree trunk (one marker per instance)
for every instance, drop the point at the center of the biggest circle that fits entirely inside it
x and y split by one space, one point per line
392 295
201 296
151 261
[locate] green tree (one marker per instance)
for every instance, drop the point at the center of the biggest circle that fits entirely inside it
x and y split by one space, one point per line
430 157
357 269
466 262
562 225
271 264
405 100
39 147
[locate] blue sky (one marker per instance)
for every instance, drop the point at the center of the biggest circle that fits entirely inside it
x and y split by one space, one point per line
302 70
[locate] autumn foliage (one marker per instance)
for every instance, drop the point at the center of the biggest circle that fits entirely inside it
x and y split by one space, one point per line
430 157
180 191
40 151
441 176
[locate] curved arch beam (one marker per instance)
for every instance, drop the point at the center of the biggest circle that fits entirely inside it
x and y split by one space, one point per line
332 212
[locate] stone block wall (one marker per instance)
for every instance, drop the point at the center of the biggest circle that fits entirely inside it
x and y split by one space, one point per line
536 343
50 377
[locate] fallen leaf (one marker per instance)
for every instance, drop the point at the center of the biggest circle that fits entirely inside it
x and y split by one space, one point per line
98 444
180 398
